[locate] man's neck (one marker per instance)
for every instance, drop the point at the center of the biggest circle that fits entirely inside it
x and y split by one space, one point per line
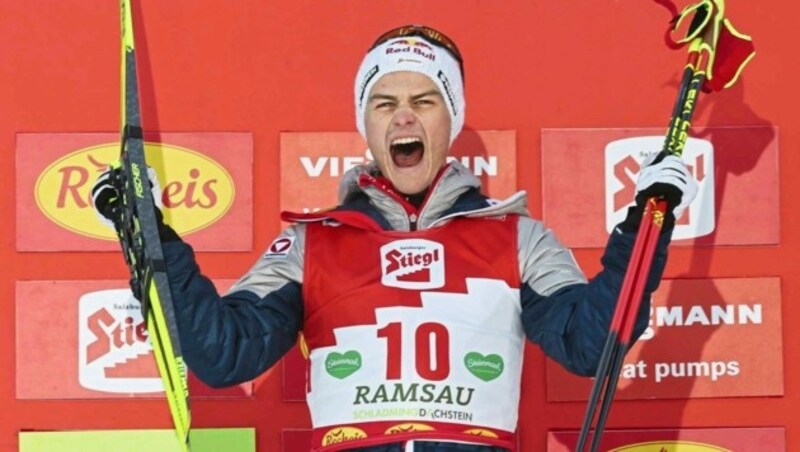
416 200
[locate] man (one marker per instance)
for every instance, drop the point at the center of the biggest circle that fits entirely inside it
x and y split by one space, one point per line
415 294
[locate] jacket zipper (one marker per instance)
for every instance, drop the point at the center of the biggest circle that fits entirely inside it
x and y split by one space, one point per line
411 211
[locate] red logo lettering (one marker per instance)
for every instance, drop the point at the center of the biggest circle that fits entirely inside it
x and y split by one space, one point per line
122 334
627 193
398 260
176 194
73 178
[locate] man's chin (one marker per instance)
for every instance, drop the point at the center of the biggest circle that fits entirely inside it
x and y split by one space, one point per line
409 187
411 180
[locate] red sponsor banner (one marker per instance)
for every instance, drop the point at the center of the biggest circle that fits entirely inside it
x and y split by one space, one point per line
294 376
206 182
755 439
295 440
589 179
707 338
87 340
313 162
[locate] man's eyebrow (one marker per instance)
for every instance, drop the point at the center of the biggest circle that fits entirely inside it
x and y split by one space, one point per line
433 92
379 96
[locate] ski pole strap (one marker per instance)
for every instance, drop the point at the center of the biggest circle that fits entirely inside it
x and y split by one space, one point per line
732 53
715 46
692 22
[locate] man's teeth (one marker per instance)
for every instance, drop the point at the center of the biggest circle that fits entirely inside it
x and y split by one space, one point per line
406 140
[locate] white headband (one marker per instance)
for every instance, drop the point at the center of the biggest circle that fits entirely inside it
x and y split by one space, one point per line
412 54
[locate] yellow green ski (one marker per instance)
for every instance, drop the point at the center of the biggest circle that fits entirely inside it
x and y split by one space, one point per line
137 228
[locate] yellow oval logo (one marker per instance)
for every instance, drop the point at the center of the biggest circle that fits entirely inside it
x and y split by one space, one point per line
196 190
481 432
342 434
670 446
409 427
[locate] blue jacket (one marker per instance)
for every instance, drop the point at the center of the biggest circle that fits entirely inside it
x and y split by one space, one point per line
234 338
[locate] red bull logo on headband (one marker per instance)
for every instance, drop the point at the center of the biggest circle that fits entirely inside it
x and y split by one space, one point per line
410 45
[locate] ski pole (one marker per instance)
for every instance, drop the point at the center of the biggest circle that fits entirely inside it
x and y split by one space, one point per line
705 29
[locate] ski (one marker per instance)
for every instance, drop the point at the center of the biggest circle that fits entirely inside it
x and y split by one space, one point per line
137 230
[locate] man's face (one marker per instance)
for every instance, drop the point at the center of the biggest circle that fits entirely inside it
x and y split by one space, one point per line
408 129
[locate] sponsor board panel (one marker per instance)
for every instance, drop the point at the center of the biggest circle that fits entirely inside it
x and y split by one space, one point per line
730 164
206 182
313 162
87 340
756 439
295 440
202 440
294 376
706 338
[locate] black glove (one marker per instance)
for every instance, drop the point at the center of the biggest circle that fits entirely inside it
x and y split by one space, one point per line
106 200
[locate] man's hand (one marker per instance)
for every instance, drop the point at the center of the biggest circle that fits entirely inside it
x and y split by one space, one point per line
105 197
669 179
107 200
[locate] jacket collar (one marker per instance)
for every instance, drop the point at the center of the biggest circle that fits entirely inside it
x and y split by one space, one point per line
454 192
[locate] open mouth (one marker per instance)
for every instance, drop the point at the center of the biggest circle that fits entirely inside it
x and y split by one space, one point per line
406 152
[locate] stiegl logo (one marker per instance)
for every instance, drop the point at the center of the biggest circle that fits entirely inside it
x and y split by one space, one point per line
413 264
114 352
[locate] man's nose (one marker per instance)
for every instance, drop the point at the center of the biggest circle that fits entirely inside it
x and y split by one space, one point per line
404 116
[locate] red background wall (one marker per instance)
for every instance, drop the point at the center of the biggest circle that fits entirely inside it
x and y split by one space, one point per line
267 67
